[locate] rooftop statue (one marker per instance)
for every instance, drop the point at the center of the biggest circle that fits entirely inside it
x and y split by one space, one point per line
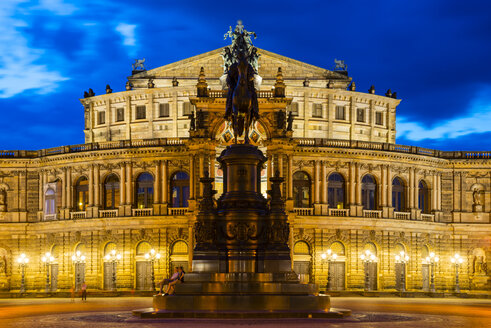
139 64
241 108
340 65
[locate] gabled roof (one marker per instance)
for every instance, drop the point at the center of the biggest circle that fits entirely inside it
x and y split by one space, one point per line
268 67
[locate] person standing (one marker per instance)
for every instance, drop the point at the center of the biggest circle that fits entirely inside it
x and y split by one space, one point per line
84 292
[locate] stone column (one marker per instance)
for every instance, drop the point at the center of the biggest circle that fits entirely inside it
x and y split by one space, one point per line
41 194
201 170
270 171
156 184
324 186
122 188
410 187
191 176
389 192
383 184
91 185
129 175
69 194
211 169
165 182
97 186
434 192
290 177
439 193
316 182
358 184
63 189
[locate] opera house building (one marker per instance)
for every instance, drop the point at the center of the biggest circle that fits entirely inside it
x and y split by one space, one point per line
365 213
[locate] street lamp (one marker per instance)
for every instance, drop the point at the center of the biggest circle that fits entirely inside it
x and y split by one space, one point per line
432 260
78 259
47 260
402 258
113 258
23 260
457 260
152 256
367 258
330 257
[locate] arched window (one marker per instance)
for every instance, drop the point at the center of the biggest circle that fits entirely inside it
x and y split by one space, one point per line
301 189
301 248
180 189
425 252
109 248
142 248
144 190
370 247
399 248
111 192
50 201
369 192
81 194
338 248
336 190
423 197
398 195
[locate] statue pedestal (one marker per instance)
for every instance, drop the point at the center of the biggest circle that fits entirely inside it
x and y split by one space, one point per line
241 259
475 208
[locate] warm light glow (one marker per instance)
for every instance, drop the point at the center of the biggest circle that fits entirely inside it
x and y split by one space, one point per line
118 256
113 252
372 257
152 251
457 259
157 256
334 256
362 257
147 256
82 257
323 256
398 257
107 257
22 259
329 251
78 253
73 257
43 259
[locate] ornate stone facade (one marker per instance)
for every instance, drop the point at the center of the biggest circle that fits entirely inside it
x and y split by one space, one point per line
135 183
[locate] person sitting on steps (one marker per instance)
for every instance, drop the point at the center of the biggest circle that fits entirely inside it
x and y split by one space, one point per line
164 282
171 287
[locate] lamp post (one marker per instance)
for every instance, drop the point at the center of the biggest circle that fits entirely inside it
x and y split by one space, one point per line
47 260
78 259
432 260
152 256
330 257
402 258
457 261
23 260
367 258
113 258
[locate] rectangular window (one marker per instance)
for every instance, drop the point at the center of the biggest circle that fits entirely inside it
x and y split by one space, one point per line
317 110
164 110
294 108
186 108
340 113
378 118
141 112
102 117
119 114
360 115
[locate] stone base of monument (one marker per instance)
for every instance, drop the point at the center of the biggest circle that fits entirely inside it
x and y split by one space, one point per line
242 295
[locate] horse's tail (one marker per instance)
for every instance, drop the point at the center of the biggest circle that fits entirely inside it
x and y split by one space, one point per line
240 125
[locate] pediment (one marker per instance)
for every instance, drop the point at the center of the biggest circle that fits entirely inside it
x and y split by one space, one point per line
212 62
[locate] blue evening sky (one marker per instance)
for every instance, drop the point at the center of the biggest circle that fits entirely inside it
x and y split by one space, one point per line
435 54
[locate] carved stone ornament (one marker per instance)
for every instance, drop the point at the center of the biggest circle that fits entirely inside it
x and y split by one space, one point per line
205 232
241 231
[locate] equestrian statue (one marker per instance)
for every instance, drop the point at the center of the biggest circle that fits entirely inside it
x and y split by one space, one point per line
242 108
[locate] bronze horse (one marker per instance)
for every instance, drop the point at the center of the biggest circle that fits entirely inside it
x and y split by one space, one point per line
242 101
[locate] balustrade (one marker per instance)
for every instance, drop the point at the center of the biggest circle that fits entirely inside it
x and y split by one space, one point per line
49 217
343 212
304 211
428 217
142 211
402 215
178 210
78 215
373 214
108 213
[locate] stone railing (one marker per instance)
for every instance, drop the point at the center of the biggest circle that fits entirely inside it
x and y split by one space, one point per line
78 215
343 212
50 217
402 215
108 213
304 142
373 214
428 217
304 211
142 211
178 210
223 94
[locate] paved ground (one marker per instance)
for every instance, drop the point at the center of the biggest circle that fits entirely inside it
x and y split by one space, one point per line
367 312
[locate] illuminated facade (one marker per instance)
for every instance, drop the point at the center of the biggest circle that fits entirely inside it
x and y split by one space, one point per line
134 185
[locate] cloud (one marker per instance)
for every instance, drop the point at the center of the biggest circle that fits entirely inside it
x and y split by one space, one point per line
58 7
127 31
20 69
478 120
